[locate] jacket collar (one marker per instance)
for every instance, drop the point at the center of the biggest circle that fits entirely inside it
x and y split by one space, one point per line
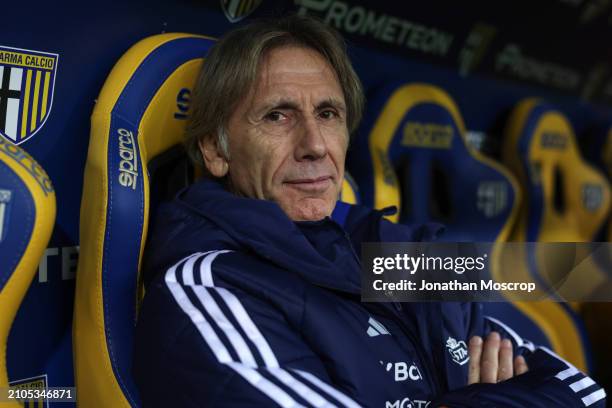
318 251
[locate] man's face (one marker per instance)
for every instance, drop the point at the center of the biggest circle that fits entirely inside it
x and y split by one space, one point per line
288 138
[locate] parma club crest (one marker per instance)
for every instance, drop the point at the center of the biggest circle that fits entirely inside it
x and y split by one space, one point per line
236 10
27 79
34 383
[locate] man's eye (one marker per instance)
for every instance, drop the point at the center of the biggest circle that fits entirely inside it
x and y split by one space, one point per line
274 116
328 114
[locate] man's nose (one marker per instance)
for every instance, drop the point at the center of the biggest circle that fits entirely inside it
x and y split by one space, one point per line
311 144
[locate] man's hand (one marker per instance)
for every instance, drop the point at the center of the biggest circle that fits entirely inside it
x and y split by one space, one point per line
494 362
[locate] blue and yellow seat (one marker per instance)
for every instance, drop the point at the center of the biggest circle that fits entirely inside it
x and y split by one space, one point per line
139 114
412 154
566 200
27 217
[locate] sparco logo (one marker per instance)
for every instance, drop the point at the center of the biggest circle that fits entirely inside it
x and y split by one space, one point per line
554 140
355 19
128 165
428 135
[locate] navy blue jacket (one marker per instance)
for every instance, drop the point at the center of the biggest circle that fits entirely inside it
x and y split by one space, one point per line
250 309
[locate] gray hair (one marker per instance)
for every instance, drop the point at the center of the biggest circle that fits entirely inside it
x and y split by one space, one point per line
230 71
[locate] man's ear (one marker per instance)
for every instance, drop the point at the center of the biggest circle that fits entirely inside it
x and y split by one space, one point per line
214 160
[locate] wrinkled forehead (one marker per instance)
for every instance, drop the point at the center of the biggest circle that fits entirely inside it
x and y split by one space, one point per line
286 71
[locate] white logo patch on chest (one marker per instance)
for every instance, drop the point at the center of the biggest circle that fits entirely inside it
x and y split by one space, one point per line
458 351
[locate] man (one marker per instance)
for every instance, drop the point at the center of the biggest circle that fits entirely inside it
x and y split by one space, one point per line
256 294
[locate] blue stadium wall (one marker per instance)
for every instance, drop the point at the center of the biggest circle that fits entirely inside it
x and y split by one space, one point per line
481 57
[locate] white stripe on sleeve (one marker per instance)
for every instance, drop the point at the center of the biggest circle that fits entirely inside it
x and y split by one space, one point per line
247 367
580 385
567 373
206 270
266 386
303 390
249 327
594 397
210 305
517 339
216 345
203 326
238 343
239 312
188 266
345 400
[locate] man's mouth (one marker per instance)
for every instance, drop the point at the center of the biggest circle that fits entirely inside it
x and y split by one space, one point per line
311 185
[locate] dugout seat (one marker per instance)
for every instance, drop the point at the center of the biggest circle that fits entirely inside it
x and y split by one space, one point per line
567 199
27 217
597 148
140 113
412 153
134 161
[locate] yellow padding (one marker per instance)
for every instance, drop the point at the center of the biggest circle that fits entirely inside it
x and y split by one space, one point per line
39 185
551 151
553 146
94 375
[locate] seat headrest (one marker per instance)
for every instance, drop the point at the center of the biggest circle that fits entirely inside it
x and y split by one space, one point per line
567 199
27 217
140 113
413 154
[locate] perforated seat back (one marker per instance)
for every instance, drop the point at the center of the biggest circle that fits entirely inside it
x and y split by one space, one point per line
27 216
412 154
140 113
